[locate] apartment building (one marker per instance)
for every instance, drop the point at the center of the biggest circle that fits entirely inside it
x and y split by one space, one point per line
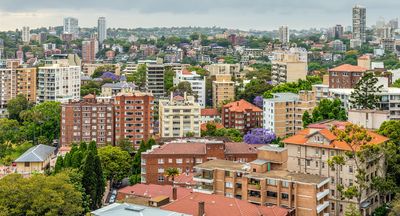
89 50
184 154
283 113
225 69
345 76
89 68
179 116
113 89
289 66
223 89
284 34
155 79
309 151
257 183
8 88
210 115
241 115
359 23
59 79
197 82
26 83
321 92
364 61
90 119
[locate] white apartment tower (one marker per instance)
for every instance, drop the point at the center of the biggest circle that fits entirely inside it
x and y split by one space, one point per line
197 82
359 23
284 34
26 36
71 26
101 29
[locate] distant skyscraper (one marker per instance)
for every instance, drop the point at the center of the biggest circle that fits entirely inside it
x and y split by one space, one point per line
394 23
338 31
359 23
101 29
284 34
26 36
89 50
71 26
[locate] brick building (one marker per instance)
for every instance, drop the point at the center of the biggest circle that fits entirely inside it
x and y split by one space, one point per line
134 116
26 83
87 120
241 115
345 76
184 154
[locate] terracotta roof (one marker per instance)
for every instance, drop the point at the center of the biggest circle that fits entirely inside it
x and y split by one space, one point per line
302 137
186 72
178 98
203 126
153 190
218 205
209 112
349 68
240 148
89 96
364 57
241 106
185 178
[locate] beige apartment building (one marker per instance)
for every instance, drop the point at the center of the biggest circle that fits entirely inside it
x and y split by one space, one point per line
309 151
225 69
179 116
265 182
223 89
26 83
288 67
283 113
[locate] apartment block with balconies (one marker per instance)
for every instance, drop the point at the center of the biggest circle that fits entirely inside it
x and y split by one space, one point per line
223 89
289 66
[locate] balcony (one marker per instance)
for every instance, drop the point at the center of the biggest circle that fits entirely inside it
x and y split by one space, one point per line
203 178
326 214
322 194
322 206
254 187
254 199
207 189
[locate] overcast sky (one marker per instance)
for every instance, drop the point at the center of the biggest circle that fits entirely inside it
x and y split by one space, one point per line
242 14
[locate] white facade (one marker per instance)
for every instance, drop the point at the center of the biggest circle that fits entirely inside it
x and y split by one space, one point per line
197 82
71 26
26 36
101 29
58 82
284 35
359 23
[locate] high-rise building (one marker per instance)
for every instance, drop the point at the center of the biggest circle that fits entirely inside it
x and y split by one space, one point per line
359 23
197 82
155 79
134 117
59 79
179 116
26 36
26 83
71 26
394 23
289 66
7 89
338 31
284 34
89 50
87 120
101 29
223 89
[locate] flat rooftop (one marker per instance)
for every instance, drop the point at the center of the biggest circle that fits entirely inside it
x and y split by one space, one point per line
289 176
273 148
224 165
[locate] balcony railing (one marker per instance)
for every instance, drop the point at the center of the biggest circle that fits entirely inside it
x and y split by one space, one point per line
322 194
322 206
207 189
202 178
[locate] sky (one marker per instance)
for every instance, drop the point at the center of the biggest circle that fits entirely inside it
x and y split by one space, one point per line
235 14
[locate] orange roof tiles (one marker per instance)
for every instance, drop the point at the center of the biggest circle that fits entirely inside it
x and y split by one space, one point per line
302 137
241 106
209 112
364 57
348 68
153 190
185 179
218 205
186 72
203 126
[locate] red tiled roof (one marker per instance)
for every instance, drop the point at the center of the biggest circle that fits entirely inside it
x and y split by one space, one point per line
178 97
203 126
209 112
89 96
348 68
218 205
240 148
186 72
153 190
184 178
302 137
364 57
241 106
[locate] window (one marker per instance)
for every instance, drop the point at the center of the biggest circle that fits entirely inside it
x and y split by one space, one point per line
316 163
27 164
160 170
298 162
271 182
227 174
340 208
229 195
271 194
160 161
308 162
285 184
333 193
298 149
285 196
199 160
350 182
179 160
332 206
160 178
228 185
169 160
323 164
323 152
350 169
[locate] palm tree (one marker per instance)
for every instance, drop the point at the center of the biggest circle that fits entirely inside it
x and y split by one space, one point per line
171 173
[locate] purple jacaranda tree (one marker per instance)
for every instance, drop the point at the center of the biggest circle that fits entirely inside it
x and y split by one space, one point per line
258 101
259 136
110 75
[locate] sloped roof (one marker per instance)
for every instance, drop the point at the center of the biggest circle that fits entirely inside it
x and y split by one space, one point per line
203 126
124 209
209 112
153 190
241 106
349 68
37 153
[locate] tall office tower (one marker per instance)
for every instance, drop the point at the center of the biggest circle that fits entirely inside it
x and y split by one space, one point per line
284 34
1 48
101 29
394 23
89 50
71 26
26 36
338 31
59 79
359 23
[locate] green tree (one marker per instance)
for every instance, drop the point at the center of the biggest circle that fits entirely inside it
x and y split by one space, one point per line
59 164
253 89
126 145
395 211
352 211
171 172
9 130
183 87
139 77
98 72
92 179
116 163
328 109
169 78
365 95
396 83
306 119
17 105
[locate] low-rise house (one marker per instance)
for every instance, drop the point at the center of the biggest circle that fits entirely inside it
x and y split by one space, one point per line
124 209
208 115
35 159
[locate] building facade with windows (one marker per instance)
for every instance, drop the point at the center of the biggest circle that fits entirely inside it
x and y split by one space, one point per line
223 89
345 76
197 82
289 66
241 115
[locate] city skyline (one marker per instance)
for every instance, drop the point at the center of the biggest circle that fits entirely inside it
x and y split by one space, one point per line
260 15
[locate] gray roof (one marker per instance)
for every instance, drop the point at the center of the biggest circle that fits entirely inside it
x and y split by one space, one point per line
37 153
272 148
119 85
259 162
279 97
124 209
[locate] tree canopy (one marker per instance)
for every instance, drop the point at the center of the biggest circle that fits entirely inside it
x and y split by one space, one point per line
365 95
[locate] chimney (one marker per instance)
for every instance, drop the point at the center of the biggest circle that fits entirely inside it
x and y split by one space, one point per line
174 193
201 209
